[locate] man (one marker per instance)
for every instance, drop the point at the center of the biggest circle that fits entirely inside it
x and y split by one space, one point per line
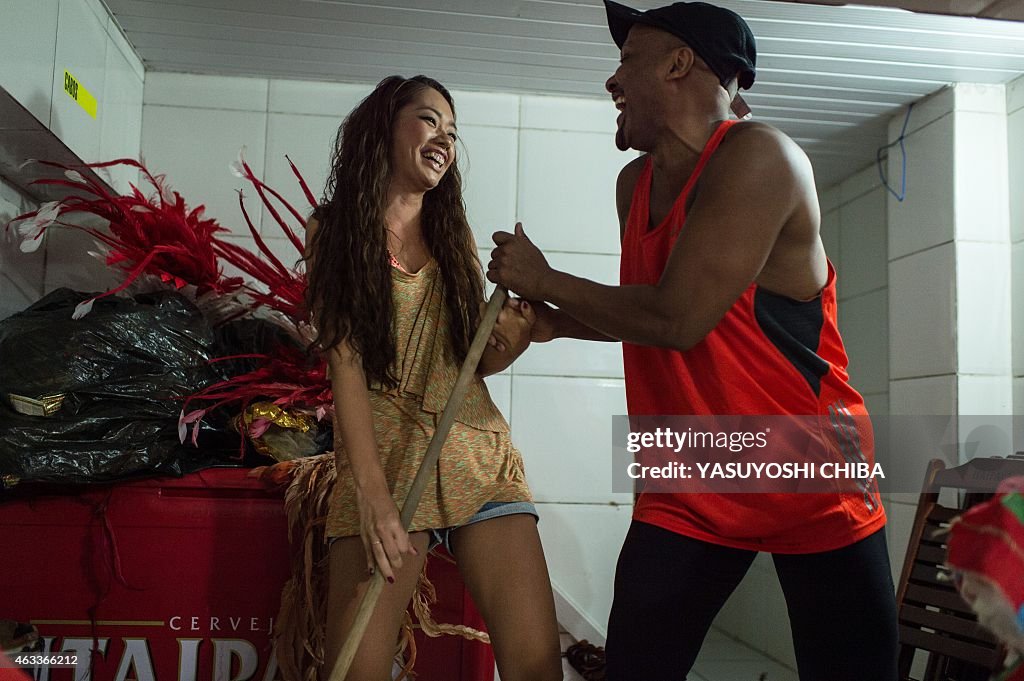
726 306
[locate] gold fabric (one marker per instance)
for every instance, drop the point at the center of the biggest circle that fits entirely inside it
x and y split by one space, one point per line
478 463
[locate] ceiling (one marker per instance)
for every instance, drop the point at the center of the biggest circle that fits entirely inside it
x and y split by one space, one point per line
989 9
829 76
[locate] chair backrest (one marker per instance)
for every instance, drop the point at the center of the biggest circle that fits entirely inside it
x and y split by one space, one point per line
932 615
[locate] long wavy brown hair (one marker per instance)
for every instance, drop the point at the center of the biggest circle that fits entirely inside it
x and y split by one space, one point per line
350 284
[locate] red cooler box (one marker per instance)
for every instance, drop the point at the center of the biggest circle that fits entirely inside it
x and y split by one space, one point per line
179 579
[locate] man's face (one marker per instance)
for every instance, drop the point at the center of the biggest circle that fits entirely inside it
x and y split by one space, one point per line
635 86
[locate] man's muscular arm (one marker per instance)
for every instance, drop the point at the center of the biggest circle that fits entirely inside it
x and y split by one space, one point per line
755 181
554 323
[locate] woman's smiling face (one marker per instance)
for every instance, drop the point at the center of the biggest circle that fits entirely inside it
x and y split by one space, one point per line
423 143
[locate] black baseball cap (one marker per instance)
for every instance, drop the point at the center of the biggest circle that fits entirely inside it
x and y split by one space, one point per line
719 36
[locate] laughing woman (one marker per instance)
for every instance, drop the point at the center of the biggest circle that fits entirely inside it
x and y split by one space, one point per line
396 288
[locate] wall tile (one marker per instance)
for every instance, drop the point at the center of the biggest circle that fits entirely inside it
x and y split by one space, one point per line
1015 95
980 98
574 115
864 324
863 245
486 108
195 148
335 100
829 198
567 190
1015 146
926 111
984 395
922 339
82 50
121 119
98 10
500 387
309 142
119 41
206 92
926 216
1017 303
859 184
915 442
983 308
932 396
487 158
571 357
28 39
565 434
582 543
1018 404
877 403
981 190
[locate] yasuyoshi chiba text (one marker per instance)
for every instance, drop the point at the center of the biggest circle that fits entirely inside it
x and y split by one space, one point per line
757 470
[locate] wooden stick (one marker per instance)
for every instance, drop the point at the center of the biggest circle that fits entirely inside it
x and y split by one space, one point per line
419 483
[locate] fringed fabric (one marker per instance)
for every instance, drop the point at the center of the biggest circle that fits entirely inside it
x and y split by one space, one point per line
300 626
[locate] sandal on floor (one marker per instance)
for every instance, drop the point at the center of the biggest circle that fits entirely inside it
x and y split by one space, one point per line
587 659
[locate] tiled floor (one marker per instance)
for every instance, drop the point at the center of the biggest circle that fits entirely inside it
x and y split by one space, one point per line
721 659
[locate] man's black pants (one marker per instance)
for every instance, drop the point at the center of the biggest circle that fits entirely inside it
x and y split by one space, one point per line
669 588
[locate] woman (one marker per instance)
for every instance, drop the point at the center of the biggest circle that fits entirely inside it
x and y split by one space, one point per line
396 289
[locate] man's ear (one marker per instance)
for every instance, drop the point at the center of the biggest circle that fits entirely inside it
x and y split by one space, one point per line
682 62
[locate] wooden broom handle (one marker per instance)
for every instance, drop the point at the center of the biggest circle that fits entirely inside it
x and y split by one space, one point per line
419 483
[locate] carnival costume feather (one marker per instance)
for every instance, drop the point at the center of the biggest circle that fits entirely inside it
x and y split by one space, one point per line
158 242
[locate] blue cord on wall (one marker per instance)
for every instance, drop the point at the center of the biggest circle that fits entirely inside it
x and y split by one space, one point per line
881 155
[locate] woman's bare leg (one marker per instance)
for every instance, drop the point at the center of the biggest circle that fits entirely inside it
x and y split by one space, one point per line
348 582
503 566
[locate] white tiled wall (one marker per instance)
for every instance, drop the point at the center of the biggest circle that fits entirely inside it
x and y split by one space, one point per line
195 147
1015 161
82 44
550 162
922 298
983 311
29 40
38 41
931 395
925 218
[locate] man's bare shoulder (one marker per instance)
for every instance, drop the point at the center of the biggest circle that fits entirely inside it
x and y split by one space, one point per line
754 151
630 172
755 141
624 188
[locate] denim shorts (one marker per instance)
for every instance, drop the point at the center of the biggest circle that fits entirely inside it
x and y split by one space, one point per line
492 509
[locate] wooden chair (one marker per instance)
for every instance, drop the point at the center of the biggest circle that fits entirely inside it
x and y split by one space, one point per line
932 616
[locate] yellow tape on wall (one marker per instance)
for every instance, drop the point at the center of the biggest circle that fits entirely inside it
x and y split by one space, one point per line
78 93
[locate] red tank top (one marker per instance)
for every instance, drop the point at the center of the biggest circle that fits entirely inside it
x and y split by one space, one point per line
769 355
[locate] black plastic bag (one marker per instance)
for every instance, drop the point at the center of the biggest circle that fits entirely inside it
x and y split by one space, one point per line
124 370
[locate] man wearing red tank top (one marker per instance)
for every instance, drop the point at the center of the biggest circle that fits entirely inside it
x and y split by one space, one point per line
726 306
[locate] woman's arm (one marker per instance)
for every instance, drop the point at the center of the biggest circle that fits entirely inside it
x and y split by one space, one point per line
510 337
384 539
